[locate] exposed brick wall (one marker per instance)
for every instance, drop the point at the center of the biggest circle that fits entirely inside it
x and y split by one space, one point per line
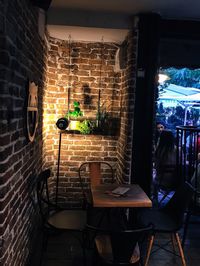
124 149
87 60
22 56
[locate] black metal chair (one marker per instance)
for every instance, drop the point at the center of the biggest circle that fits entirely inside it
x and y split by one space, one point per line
194 206
167 183
55 219
168 219
120 247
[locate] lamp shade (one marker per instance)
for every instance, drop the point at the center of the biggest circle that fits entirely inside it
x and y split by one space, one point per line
62 123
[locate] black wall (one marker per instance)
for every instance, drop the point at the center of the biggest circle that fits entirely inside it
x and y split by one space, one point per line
148 44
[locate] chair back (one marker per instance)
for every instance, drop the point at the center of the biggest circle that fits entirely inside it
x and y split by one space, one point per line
118 246
93 174
43 193
181 199
168 178
124 243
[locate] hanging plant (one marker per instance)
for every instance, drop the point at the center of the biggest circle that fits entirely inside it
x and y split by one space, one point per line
102 115
74 117
76 112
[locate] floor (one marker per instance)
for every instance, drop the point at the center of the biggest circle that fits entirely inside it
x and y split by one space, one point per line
64 250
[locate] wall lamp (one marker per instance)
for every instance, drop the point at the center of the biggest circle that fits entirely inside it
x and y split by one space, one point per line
62 123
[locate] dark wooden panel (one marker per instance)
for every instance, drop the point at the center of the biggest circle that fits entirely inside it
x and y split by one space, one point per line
44 4
181 29
179 44
148 41
179 53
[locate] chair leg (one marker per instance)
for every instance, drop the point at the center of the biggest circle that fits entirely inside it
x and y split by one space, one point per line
173 242
84 240
180 249
151 240
45 238
185 228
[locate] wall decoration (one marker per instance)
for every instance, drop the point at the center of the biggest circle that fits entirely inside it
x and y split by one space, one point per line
32 111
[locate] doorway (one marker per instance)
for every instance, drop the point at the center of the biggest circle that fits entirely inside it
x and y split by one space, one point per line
178 104
178 97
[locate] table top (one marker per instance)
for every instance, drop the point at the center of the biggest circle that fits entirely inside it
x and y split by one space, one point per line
135 197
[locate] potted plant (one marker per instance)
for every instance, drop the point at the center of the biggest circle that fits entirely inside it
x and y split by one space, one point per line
101 119
106 124
77 123
85 127
74 116
76 112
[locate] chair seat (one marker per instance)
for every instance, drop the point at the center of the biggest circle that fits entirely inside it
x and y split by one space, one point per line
162 221
68 219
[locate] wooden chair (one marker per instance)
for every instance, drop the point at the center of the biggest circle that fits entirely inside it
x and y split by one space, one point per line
92 174
98 172
55 219
169 219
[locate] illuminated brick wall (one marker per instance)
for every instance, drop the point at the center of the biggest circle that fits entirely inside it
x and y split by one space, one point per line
90 64
124 148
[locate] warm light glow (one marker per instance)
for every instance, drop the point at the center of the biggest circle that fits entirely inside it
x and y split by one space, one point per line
162 78
74 125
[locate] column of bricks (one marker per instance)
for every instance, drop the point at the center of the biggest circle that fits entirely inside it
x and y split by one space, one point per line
124 148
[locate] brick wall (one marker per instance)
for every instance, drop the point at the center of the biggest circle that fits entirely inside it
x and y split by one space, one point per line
124 147
90 64
21 58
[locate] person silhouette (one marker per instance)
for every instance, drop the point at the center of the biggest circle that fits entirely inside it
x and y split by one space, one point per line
165 162
159 128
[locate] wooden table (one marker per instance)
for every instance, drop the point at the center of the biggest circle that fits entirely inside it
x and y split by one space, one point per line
134 198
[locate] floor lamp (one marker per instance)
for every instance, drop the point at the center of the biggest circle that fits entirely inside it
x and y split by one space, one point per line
62 124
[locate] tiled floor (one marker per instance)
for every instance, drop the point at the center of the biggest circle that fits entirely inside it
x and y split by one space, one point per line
64 250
